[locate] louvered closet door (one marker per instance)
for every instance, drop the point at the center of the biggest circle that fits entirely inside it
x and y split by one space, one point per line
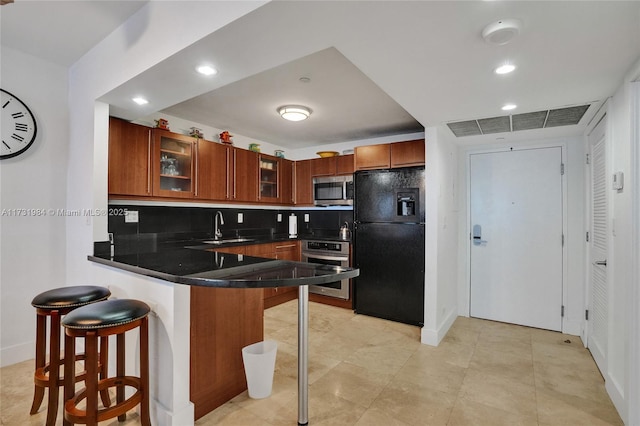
598 312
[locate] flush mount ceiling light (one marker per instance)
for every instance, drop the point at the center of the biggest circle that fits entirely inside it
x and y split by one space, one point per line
294 112
207 70
502 31
140 100
509 107
505 69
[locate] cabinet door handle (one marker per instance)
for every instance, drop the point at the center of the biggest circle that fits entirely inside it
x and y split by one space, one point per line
226 178
235 176
149 162
195 178
281 247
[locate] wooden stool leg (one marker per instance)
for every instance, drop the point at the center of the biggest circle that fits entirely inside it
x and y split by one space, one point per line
120 371
104 369
69 372
144 372
91 381
41 348
54 368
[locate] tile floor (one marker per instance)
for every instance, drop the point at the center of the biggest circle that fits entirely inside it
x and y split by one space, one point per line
366 371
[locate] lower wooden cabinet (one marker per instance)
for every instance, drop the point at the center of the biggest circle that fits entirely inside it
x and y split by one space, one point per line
223 321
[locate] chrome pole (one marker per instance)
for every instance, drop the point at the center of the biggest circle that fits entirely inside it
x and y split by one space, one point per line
303 355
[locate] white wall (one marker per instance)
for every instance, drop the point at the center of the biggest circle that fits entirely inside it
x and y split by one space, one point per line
441 266
573 291
32 248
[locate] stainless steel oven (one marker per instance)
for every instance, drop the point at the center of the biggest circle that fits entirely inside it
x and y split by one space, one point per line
328 253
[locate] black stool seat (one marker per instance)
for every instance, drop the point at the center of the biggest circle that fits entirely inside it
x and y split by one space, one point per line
92 323
50 307
70 297
108 313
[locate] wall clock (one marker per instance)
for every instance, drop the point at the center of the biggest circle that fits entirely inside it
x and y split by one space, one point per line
18 126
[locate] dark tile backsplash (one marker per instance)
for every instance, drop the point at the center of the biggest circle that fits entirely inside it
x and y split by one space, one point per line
164 225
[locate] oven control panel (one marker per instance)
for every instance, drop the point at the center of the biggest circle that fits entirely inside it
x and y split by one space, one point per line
326 246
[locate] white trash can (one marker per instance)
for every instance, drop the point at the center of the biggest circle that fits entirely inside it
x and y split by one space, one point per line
259 364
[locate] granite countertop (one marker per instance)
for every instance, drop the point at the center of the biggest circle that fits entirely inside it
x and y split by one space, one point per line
196 264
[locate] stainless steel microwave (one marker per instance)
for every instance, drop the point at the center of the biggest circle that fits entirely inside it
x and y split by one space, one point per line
333 190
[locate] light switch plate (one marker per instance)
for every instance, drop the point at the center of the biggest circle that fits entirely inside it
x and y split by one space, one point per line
306 217
131 216
240 217
279 217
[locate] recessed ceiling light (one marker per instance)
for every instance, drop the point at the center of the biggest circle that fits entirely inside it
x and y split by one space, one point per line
207 70
294 112
505 69
140 100
509 107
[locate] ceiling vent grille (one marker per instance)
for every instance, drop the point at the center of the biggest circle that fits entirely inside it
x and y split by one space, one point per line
569 116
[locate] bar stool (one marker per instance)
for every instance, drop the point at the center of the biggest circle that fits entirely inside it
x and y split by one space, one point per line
53 304
97 321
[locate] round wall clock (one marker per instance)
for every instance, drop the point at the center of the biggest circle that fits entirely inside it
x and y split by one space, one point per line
18 126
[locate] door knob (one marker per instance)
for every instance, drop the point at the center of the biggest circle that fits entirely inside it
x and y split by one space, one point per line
600 262
477 236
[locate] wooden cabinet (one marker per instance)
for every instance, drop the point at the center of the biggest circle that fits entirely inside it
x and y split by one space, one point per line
407 154
390 155
287 195
286 250
129 158
269 179
323 166
344 164
212 170
303 183
372 157
244 176
223 321
173 164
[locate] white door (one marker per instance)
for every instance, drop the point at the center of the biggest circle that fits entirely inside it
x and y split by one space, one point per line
597 324
516 238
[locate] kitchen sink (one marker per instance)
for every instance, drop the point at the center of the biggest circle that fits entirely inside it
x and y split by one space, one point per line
229 240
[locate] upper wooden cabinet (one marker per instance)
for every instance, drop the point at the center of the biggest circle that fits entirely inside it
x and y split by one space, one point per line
173 164
212 170
390 155
344 164
244 175
407 154
287 195
372 157
303 183
129 158
323 166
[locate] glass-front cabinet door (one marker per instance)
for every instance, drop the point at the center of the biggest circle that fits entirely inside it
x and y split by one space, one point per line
174 164
269 170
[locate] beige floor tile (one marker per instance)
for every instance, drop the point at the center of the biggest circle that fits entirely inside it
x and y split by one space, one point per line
466 412
353 383
414 404
367 371
561 409
496 391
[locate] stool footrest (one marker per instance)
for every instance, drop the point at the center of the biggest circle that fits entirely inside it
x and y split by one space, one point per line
75 415
41 376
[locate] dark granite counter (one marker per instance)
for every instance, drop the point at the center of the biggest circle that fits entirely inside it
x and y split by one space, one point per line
197 265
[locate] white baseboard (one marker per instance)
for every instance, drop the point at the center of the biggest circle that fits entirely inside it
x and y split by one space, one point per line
17 353
616 393
162 416
433 337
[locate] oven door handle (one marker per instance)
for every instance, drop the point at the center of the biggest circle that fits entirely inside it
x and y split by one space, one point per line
323 257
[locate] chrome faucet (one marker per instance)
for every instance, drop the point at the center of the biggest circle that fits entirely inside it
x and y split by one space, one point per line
218 233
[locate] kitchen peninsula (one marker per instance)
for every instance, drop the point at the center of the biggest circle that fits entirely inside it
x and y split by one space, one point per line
236 282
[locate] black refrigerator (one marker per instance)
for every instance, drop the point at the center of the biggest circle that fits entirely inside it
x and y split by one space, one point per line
389 244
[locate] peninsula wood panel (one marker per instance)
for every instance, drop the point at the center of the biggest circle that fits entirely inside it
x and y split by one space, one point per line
223 321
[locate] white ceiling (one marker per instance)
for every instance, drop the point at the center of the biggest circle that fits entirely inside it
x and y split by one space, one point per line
426 56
